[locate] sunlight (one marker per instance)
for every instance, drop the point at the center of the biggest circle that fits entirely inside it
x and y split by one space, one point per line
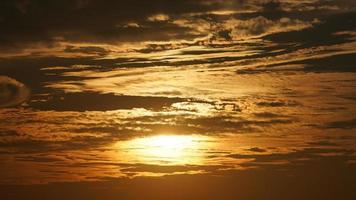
166 149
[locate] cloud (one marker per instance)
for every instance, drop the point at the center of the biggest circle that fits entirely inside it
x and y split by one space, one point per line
256 150
12 92
89 102
308 178
346 124
158 18
91 21
271 6
30 23
87 50
277 103
259 26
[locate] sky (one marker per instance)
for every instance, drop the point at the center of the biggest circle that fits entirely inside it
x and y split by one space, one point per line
179 99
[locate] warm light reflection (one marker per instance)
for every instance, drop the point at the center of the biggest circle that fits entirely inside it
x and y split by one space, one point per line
166 149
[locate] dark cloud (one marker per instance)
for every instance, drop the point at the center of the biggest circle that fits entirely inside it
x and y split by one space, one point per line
57 132
333 63
271 6
100 102
257 150
320 34
12 92
226 34
221 124
324 177
92 20
337 63
296 157
8 133
28 22
268 115
156 48
89 50
323 143
166 169
277 103
346 124
28 145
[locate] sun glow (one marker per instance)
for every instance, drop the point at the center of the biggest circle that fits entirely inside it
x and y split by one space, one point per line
166 149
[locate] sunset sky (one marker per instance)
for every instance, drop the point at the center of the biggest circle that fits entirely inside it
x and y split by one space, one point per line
178 99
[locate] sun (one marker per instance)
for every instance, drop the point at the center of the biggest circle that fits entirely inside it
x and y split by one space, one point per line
166 149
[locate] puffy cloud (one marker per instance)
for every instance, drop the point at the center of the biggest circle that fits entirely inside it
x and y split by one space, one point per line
12 92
